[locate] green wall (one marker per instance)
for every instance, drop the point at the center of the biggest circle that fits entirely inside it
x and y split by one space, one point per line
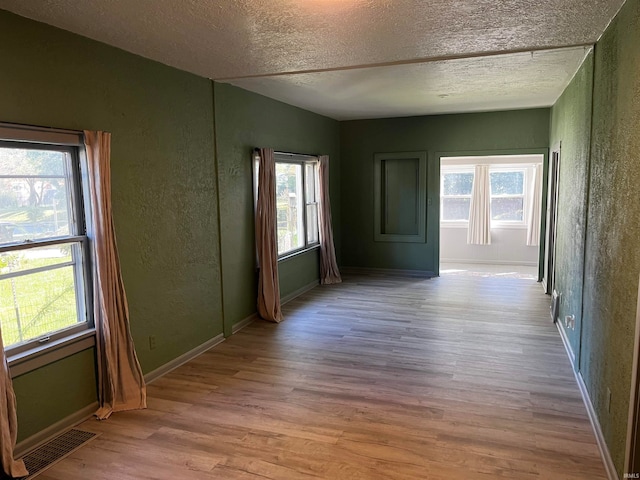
166 190
163 192
69 383
510 132
244 121
571 129
598 121
613 227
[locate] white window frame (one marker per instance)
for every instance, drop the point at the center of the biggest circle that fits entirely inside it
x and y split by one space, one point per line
58 344
527 172
451 169
303 161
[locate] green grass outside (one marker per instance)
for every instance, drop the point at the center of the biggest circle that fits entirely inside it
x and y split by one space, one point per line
43 302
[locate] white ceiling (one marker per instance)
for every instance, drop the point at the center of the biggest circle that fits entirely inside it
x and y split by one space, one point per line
355 58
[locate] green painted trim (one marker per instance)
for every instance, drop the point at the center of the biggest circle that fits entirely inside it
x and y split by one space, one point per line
43 436
299 291
585 252
227 326
245 323
388 271
421 197
184 358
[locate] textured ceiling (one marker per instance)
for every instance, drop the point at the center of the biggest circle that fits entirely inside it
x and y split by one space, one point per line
230 39
503 82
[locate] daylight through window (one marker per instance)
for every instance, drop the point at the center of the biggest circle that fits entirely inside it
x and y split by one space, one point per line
508 193
456 195
42 244
296 204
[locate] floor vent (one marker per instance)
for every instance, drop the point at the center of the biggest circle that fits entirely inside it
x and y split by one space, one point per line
55 450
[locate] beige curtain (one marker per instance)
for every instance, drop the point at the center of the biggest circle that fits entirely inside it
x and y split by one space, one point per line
329 272
479 232
535 216
266 242
120 380
8 422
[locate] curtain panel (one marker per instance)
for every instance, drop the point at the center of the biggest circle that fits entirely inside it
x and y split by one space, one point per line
8 422
329 272
268 302
120 381
479 232
535 215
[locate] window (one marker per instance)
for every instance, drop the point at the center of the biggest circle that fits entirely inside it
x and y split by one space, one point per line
507 195
456 195
296 204
43 245
509 191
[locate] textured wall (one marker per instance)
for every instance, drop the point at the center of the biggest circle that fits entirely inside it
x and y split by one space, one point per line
246 120
613 226
571 127
70 384
523 131
163 189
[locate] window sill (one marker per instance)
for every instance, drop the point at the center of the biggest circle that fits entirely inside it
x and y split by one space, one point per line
494 226
295 253
37 357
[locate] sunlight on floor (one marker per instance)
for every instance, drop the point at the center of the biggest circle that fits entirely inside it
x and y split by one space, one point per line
526 272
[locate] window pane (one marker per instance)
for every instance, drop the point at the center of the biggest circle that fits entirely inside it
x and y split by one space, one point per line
19 261
455 209
289 206
507 183
34 305
310 182
35 201
507 209
312 223
457 183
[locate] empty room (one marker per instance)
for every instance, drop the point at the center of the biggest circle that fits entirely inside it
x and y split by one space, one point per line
236 238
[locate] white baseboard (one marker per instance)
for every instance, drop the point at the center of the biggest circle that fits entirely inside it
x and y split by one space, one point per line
52 431
593 418
488 262
182 359
567 345
602 445
244 323
387 271
300 291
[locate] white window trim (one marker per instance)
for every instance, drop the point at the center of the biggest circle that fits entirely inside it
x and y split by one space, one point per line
527 168
453 169
302 160
60 344
513 224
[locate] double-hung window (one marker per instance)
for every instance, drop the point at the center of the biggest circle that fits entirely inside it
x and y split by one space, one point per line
456 194
296 203
508 194
44 260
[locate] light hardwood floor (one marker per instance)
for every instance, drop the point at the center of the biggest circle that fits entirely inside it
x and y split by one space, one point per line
377 378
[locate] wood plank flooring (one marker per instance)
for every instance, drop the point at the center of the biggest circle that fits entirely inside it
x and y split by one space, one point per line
377 378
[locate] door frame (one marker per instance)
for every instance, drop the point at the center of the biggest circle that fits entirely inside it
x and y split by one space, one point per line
433 200
632 453
551 231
